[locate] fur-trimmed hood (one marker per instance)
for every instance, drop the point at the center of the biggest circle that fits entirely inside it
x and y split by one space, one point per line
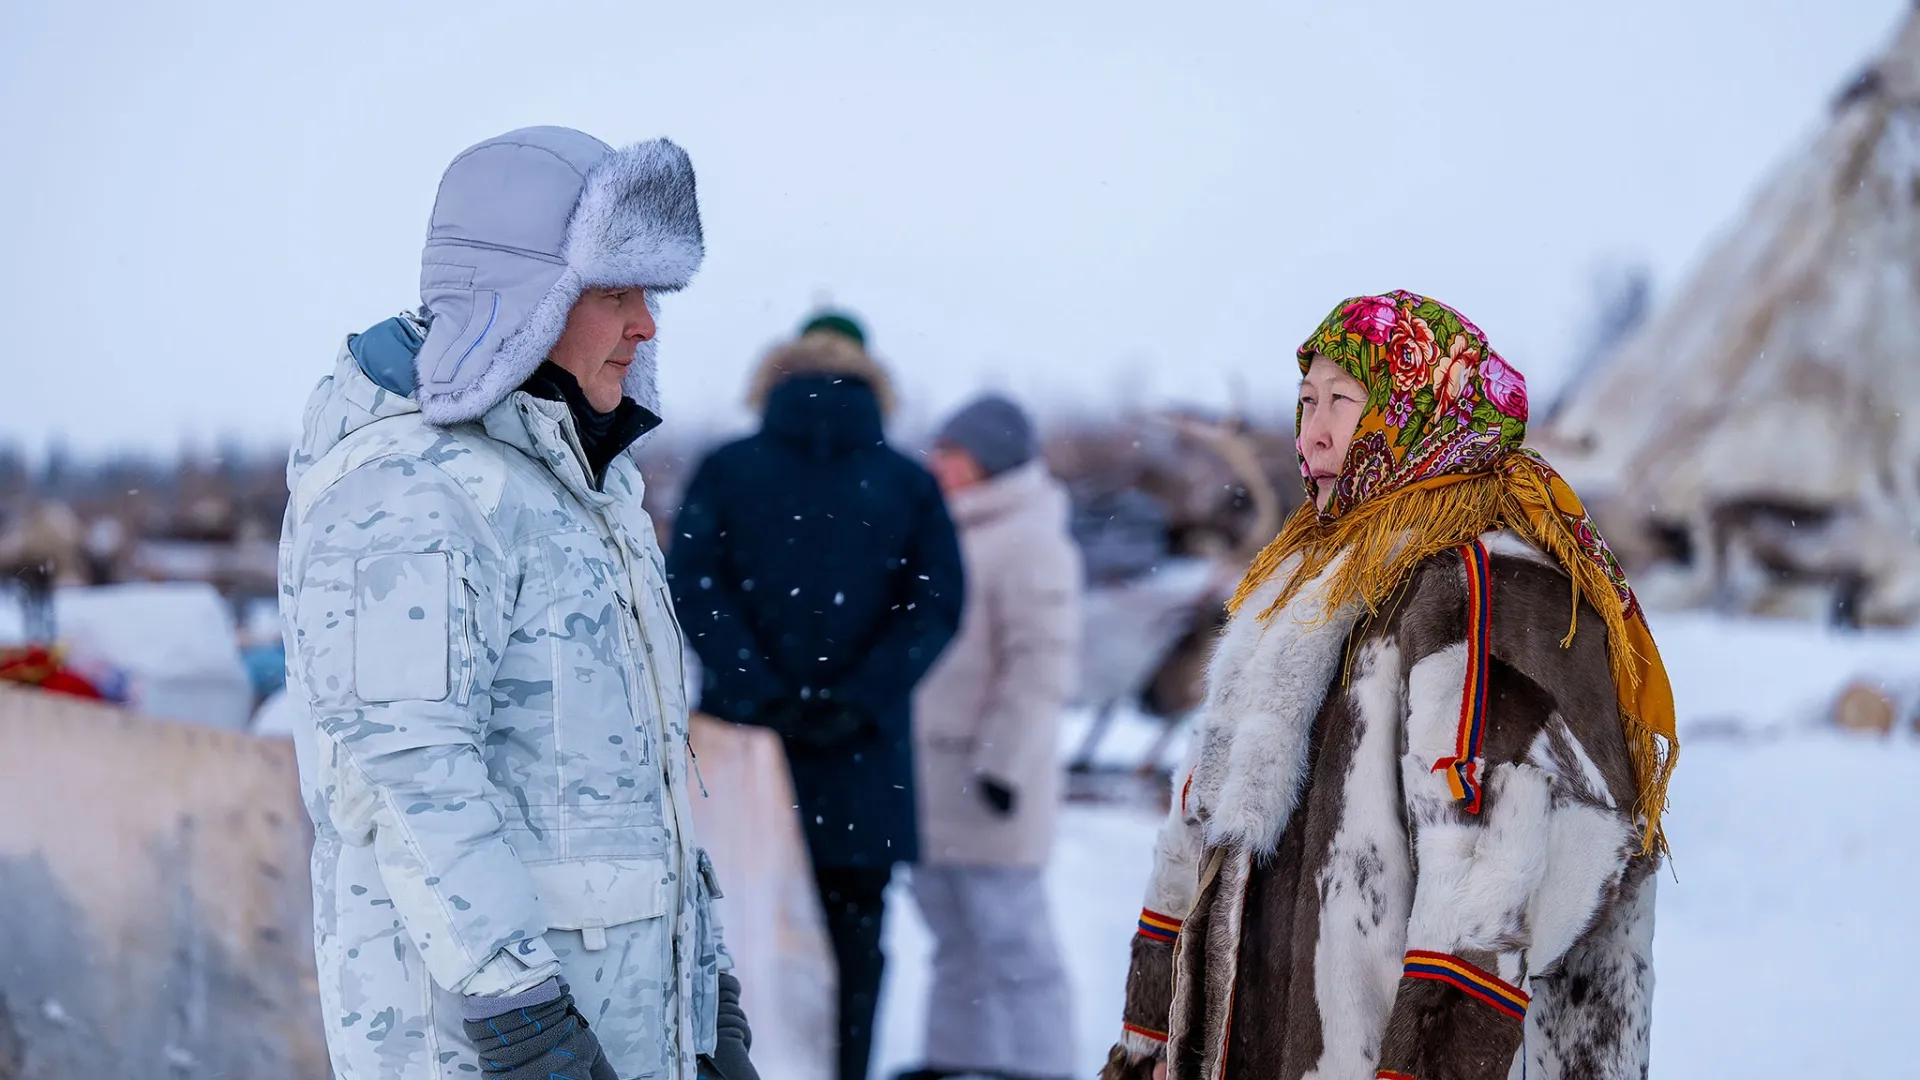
820 353
522 225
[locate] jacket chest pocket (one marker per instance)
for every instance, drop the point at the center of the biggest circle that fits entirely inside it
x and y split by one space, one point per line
667 652
599 702
660 628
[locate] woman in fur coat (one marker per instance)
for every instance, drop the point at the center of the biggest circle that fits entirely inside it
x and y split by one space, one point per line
1417 831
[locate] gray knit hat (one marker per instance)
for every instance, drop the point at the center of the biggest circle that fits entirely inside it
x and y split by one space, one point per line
995 431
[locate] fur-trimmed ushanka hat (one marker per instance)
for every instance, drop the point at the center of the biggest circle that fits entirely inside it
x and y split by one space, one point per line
523 224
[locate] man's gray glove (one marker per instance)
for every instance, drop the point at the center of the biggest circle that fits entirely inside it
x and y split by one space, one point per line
538 1035
729 1060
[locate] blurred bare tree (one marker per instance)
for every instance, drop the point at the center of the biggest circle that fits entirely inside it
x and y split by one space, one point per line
1622 298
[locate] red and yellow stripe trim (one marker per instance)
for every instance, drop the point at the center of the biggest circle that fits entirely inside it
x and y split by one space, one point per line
1158 927
1462 768
1145 1033
1462 976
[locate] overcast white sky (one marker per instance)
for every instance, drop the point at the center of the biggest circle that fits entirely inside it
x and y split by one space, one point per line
1077 201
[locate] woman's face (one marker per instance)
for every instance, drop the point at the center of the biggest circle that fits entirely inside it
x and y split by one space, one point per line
1331 402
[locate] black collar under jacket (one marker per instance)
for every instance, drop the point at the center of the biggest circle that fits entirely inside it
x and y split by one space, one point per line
602 435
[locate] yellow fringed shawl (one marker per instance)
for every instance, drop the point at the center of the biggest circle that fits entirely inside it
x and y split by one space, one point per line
1387 536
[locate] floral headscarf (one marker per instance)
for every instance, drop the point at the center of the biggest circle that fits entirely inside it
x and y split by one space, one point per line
1439 400
1437 461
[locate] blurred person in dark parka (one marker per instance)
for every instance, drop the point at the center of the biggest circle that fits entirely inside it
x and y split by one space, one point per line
818 578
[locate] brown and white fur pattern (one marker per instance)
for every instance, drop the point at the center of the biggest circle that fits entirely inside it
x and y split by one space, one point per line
1310 783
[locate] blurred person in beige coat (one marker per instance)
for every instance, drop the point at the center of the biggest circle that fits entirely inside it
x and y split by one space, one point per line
987 723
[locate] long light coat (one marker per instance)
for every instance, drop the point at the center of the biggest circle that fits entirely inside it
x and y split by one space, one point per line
992 705
496 761
1323 905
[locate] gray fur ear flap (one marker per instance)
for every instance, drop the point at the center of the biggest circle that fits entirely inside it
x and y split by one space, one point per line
638 221
642 381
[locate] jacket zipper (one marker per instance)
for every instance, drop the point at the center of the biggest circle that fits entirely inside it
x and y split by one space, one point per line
469 630
632 624
680 664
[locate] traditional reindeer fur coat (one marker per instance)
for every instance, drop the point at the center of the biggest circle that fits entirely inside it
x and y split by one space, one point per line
1323 904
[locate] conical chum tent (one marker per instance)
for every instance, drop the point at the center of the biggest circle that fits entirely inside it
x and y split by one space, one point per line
1756 445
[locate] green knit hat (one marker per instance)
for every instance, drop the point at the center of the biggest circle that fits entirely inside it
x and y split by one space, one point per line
836 322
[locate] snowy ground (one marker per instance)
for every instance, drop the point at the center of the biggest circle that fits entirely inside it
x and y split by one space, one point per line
1782 927
1793 896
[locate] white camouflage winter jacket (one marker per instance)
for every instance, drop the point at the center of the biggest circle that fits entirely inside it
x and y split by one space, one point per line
497 763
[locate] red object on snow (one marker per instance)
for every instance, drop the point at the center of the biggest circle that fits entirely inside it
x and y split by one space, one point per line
38 666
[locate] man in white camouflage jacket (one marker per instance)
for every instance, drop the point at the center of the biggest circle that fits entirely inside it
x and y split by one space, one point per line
505 878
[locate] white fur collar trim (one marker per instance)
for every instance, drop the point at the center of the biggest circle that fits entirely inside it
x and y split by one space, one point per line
1265 686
